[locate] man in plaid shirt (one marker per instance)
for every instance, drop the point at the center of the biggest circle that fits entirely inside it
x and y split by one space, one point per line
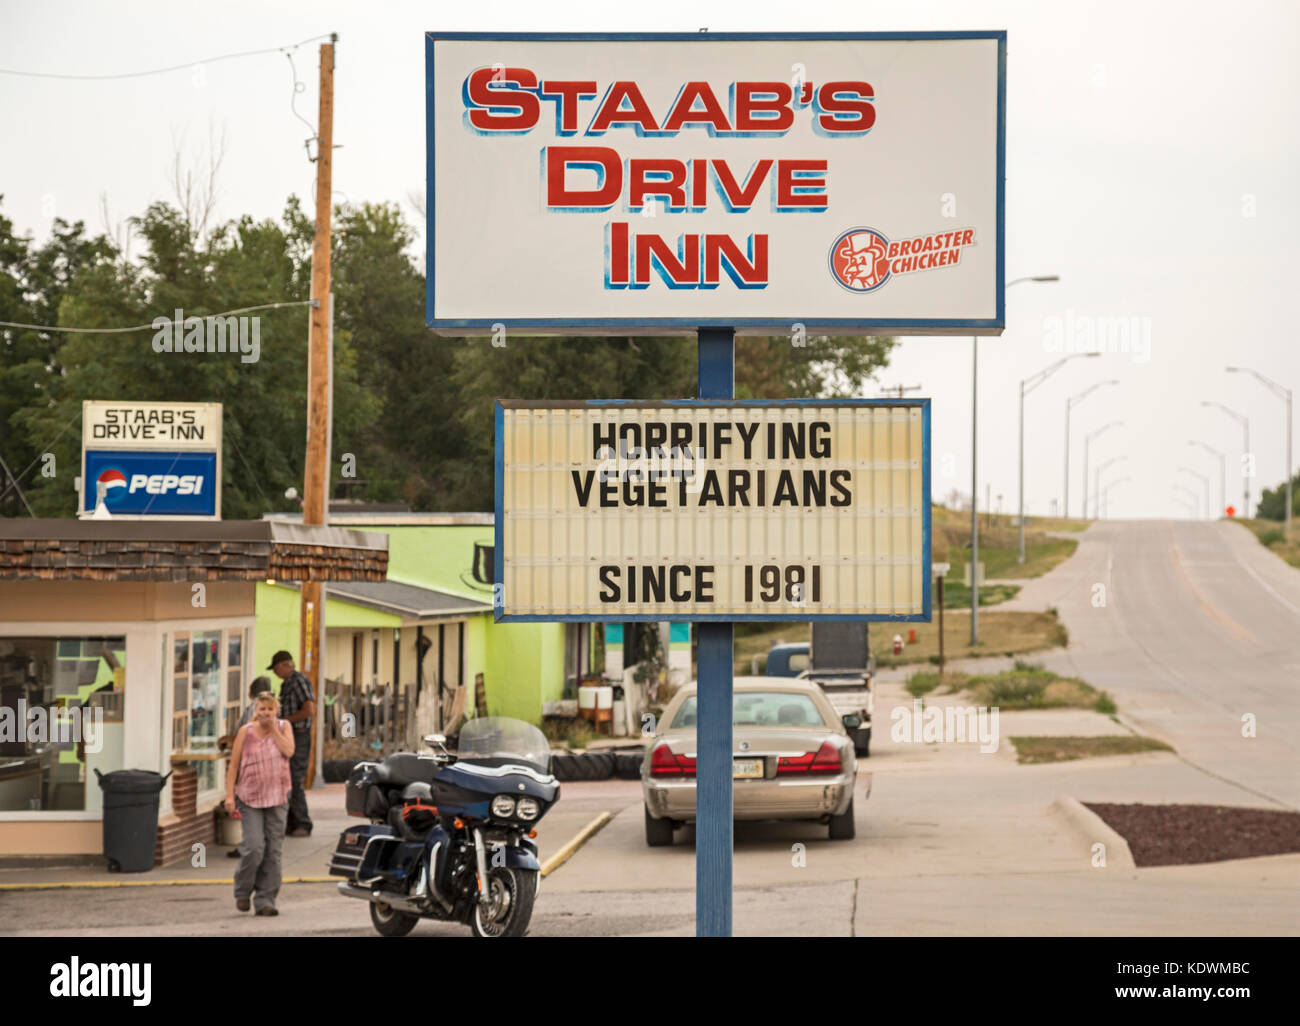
298 706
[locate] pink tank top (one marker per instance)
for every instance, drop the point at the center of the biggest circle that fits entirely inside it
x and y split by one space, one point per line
263 780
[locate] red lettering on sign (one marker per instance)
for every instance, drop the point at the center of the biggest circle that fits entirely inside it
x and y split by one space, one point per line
514 109
558 159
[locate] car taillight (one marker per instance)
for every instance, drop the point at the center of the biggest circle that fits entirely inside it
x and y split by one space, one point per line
825 760
663 763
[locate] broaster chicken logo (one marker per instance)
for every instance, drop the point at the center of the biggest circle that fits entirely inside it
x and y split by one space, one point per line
863 259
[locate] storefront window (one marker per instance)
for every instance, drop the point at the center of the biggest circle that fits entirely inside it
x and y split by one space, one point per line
207 695
206 704
62 702
235 697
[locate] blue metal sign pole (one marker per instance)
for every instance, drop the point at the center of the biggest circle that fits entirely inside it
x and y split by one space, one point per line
713 811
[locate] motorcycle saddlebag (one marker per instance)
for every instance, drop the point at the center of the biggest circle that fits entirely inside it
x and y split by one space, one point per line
365 797
347 856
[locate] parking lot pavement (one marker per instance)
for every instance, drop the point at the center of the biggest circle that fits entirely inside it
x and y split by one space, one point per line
950 841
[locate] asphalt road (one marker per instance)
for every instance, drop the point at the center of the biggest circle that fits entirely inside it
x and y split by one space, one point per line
1197 627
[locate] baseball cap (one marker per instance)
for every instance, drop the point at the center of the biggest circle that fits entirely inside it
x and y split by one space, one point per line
279 657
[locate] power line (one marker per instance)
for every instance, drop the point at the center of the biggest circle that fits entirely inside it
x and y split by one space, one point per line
14 482
161 71
152 325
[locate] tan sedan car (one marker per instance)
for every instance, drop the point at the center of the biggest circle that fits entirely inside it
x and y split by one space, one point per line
793 759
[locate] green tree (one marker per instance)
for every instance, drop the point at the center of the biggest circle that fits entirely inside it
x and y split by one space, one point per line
379 301
1272 501
240 264
634 368
33 282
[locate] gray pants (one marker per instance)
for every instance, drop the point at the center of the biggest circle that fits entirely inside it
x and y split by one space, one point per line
258 873
298 814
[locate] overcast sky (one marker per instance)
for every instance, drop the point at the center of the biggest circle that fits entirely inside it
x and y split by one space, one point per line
1151 163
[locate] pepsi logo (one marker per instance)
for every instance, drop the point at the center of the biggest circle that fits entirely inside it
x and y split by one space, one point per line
112 479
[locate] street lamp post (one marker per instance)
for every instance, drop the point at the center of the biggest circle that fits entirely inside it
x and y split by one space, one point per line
1027 385
1104 501
1186 504
1244 421
1087 441
1193 502
1223 472
1205 486
1096 482
1284 394
1070 404
974 478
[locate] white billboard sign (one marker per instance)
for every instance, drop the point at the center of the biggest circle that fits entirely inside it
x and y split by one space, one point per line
150 460
159 426
713 510
653 184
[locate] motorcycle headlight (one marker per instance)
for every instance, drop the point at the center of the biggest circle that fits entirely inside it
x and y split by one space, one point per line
527 808
503 806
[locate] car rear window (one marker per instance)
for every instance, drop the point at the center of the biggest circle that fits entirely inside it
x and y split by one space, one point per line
760 709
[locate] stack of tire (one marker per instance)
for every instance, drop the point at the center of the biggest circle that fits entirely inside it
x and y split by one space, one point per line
621 764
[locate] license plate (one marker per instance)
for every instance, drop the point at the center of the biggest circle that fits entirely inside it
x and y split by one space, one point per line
746 768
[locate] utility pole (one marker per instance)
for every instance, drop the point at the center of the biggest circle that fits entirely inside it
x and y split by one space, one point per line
896 391
316 471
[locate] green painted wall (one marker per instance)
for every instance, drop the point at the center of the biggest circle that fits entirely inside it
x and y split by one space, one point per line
278 607
522 663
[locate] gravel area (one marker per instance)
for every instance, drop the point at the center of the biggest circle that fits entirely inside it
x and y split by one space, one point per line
1177 835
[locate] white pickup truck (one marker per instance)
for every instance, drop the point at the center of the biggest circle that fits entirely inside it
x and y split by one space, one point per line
848 688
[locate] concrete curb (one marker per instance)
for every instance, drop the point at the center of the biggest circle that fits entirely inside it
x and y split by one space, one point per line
196 882
582 837
1093 829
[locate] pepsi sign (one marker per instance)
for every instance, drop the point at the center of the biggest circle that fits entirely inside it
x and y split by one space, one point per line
152 483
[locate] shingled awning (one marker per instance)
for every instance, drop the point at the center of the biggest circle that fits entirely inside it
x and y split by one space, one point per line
167 550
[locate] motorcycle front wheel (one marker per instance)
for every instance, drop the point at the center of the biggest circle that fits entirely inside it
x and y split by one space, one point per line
511 906
390 922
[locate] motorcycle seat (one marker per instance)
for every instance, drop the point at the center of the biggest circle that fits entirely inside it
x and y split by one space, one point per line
403 768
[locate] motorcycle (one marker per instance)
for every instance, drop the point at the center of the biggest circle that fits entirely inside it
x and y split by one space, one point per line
451 836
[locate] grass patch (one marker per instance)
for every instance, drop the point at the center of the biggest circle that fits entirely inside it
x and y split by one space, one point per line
1273 538
1000 544
1031 687
1032 750
957 596
1001 633
920 684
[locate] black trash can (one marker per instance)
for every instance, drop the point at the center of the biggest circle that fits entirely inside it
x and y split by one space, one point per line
130 818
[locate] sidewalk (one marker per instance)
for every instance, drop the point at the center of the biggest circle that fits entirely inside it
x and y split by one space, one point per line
304 857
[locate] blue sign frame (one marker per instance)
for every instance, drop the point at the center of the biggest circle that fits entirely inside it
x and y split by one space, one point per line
679 325
125 464
802 616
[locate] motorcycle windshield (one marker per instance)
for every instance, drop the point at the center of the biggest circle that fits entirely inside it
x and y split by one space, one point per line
499 739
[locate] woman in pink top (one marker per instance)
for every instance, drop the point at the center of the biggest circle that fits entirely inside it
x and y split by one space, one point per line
257 792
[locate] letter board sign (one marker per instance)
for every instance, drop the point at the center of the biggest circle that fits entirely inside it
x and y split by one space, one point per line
614 511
